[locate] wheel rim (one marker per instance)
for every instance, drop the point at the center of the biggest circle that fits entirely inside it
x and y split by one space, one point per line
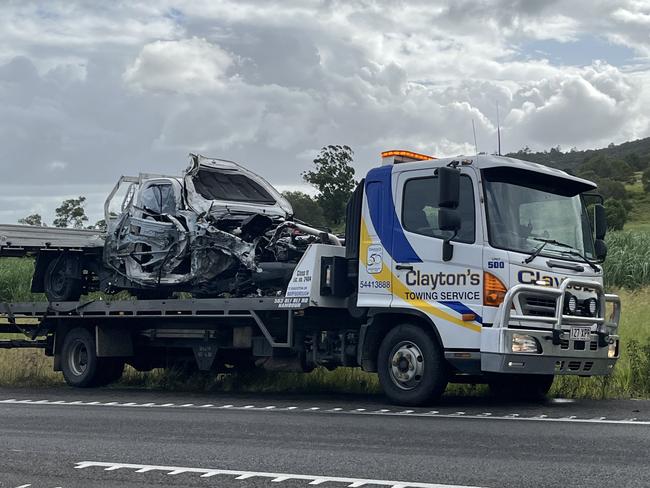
57 280
78 358
406 365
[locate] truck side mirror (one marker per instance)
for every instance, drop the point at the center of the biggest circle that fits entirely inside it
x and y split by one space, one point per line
449 220
449 197
600 249
600 221
449 181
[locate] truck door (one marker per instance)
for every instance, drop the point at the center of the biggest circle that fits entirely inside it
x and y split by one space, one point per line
152 240
449 292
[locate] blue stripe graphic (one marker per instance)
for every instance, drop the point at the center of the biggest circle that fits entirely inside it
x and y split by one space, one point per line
384 217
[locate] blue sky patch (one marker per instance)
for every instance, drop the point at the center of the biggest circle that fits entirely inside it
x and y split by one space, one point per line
578 53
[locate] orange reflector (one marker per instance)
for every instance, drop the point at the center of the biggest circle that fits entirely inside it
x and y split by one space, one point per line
406 154
494 291
468 317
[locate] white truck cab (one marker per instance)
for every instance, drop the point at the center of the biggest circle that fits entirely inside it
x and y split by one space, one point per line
498 255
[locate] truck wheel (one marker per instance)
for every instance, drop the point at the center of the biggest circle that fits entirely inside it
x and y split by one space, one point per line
58 286
79 360
411 367
522 387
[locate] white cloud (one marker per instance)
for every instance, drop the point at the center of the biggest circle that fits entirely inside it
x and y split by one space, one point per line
90 93
184 66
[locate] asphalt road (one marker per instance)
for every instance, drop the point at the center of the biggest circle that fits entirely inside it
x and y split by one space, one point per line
125 438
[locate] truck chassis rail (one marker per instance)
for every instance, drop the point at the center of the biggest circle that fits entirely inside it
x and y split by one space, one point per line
189 311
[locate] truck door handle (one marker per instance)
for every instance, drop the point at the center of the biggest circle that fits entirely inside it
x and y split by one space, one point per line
406 267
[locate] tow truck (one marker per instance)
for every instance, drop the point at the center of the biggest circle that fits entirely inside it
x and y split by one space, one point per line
480 269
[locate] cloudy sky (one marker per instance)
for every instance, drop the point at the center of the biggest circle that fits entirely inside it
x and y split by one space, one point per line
93 90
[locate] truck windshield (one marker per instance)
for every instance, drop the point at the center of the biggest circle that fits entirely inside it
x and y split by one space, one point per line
519 214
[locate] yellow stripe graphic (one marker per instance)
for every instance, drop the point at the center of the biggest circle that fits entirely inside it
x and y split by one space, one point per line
399 289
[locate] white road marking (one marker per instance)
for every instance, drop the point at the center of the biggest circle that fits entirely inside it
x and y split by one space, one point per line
562 400
339 410
24 486
273 477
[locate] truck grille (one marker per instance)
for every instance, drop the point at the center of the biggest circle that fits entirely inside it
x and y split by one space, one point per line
578 345
540 306
574 366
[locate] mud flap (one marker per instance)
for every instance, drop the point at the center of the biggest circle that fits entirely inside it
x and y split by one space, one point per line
204 355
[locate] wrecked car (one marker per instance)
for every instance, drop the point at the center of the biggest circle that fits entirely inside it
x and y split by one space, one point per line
219 230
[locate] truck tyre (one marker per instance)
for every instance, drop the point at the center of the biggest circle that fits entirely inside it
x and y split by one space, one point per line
521 387
79 363
58 286
411 366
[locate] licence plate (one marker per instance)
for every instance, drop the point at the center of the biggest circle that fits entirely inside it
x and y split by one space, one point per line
580 333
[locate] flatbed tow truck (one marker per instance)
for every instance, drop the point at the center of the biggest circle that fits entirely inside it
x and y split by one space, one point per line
478 269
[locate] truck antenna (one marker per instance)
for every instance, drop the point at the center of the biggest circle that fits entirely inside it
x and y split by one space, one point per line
474 131
498 132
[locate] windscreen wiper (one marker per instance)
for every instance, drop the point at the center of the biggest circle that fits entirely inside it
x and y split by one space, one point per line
570 250
575 252
541 247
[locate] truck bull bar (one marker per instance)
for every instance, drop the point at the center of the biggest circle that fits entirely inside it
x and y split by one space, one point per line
558 353
505 314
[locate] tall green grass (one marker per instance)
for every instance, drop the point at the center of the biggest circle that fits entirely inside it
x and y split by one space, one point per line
628 260
16 280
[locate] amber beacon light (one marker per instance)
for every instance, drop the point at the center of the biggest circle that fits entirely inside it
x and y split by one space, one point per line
399 156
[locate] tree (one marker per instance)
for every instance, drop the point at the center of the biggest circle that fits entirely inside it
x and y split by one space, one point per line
305 208
334 180
71 213
611 189
636 162
33 219
645 179
604 167
616 214
99 225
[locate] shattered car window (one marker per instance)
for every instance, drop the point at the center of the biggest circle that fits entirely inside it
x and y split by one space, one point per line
214 185
159 199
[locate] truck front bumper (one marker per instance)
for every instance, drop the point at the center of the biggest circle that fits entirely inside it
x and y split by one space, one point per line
585 358
555 365
557 353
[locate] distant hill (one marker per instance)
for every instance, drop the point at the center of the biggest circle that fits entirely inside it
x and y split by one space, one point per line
570 160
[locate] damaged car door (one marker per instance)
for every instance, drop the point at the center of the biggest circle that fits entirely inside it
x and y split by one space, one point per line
151 241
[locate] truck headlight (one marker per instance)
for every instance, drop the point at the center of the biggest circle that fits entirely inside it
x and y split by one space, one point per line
525 343
612 350
591 306
570 304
